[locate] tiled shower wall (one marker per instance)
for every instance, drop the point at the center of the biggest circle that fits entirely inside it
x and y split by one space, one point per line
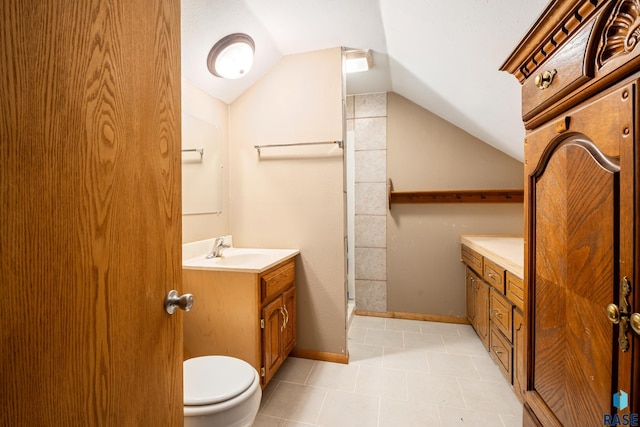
367 116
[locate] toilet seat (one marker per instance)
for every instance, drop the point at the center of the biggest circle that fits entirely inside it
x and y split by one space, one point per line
214 379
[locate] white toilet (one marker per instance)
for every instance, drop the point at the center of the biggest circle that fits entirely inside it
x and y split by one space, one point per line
220 391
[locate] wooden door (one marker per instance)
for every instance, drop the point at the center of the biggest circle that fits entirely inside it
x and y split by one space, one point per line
581 229
90 229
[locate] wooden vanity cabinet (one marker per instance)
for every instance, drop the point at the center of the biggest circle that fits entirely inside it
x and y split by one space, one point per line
251 316
579 70
493 314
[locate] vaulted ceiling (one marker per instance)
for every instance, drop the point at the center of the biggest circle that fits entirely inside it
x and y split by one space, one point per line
443 55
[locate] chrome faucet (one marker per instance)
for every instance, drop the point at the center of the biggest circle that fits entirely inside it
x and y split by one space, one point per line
218 246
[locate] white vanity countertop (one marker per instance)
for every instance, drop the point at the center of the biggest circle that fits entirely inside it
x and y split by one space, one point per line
506 251
240 260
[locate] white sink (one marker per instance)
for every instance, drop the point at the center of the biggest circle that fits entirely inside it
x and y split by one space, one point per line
252 260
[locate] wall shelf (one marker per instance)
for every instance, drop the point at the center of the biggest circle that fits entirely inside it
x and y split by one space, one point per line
454 196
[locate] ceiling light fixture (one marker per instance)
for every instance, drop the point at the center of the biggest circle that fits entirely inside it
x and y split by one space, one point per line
358 60
232 56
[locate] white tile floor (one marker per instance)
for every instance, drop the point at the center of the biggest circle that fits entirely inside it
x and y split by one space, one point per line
401 373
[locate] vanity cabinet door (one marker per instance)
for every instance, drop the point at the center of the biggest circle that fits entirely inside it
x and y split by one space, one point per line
477 291
478 306
278 291
471 296
272 336
289 332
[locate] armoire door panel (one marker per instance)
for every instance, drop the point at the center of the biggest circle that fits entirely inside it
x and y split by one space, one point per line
574 277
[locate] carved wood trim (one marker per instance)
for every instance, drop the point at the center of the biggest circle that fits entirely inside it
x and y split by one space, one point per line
568 27
569 19
621 33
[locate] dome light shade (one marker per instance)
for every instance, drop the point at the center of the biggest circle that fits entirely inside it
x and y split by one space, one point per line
232 56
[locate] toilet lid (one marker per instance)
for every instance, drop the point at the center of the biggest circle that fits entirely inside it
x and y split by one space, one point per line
214 379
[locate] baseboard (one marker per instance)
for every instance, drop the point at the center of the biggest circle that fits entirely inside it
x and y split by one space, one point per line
415 316
320 355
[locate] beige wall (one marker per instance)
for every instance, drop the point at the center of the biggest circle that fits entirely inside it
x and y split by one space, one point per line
425 152
292 197
205 107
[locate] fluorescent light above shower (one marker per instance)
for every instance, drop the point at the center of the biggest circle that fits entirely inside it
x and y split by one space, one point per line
358 60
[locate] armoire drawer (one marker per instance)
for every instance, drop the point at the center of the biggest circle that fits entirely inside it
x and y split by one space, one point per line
567 73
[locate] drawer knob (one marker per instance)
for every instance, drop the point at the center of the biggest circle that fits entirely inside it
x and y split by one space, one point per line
545 79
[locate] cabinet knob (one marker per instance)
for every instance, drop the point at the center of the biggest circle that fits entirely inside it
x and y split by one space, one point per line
545 79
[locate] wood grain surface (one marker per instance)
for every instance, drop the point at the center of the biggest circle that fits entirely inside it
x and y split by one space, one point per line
90 228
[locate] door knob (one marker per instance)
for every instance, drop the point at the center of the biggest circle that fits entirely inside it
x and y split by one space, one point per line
613 313
173 301
635 322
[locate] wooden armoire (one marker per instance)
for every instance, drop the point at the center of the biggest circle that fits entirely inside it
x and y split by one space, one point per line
579 67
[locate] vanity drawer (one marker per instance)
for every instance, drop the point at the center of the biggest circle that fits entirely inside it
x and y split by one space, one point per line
472 258
566 65
494 275
274 282
501 351
515 290
501 313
